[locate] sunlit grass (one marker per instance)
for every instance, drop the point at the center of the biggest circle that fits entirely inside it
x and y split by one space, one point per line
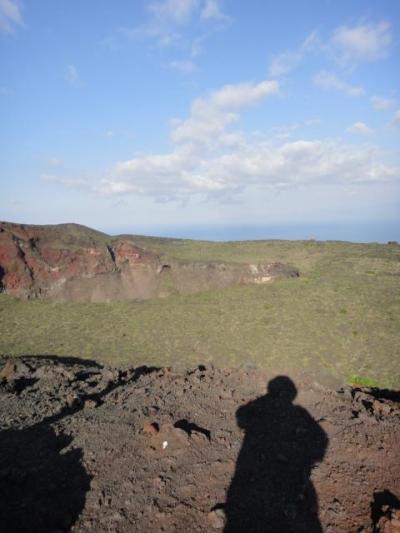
363 381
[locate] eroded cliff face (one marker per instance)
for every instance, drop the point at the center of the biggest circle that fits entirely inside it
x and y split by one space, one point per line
47 262
70 262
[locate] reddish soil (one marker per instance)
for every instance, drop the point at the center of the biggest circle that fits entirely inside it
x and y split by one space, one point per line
90 448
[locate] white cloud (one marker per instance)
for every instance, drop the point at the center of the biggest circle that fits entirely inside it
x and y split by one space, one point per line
10 16
348 45
177 11
286 61
362 43
382 104
181 11
210 116
396 118
211 9
286 131
208 158
71 76
183 24
327 80
180 175
185 67
359 128
164 36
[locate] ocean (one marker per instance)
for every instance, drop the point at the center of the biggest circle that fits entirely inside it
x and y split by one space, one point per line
380 232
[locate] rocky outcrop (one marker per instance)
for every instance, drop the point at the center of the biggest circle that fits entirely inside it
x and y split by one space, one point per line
61 262
196 276
72 262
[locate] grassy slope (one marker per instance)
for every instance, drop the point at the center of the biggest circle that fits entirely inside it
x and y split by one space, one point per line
342 316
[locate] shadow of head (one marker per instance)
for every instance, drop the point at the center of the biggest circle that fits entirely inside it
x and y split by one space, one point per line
282 387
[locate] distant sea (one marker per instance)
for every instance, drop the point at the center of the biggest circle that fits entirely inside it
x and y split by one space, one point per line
353 232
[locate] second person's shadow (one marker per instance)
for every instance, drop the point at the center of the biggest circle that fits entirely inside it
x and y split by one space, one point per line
271 490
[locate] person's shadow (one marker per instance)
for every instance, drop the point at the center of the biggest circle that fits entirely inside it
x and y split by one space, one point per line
271 490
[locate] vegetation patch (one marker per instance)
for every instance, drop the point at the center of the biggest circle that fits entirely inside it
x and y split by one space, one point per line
363 381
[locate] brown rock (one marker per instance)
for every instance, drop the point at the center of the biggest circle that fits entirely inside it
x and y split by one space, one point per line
381 408
151 428
389 525
9 371
217 518
199 438
73 401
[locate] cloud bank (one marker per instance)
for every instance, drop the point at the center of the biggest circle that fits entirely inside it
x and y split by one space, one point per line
361 43
210 158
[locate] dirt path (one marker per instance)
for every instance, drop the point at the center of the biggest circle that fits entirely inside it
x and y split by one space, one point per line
90 448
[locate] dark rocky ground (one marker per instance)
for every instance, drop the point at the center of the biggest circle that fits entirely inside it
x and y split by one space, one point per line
90 448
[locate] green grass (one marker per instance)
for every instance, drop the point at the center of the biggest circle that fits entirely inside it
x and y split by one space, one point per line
337 318
363 381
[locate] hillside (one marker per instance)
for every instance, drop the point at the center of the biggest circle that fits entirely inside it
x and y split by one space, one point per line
75 263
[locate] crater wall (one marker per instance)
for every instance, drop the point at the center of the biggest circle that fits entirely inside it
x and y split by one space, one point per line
71 262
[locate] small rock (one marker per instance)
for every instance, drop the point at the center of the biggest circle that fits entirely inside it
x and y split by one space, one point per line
360 396
217 518
116 517
44 372
94 484
381 408
180 435
151 428
91 404
199 438
225 394
73 401
9 371
159 482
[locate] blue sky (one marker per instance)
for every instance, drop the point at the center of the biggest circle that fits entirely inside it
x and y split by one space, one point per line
148 116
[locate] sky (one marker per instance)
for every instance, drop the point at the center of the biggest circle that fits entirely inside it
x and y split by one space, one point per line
189 117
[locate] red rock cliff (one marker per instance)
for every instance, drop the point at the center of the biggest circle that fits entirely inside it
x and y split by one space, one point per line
45 260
